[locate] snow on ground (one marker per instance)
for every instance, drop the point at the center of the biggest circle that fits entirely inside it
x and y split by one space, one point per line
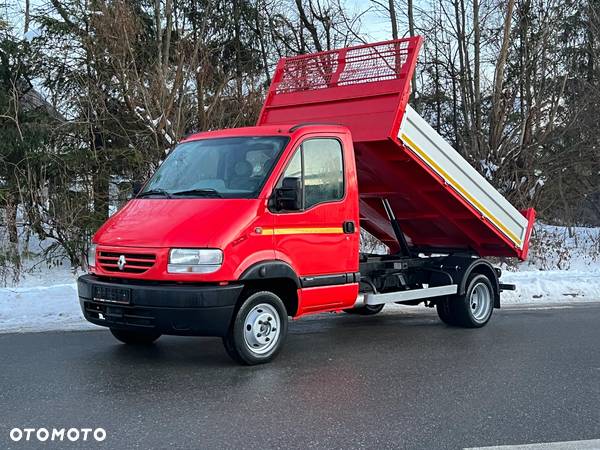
554 286
562 268
41 308
45 298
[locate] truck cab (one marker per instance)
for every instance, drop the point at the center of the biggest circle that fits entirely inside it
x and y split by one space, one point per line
228 213
240 229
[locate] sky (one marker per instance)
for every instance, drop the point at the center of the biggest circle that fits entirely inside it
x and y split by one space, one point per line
374 22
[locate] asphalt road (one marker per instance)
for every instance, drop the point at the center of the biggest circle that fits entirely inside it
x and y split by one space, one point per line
397 380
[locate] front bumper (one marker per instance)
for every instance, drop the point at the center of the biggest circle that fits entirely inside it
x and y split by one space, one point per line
187 310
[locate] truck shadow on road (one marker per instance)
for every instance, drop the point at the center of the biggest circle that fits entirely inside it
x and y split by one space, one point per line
324 337
321 355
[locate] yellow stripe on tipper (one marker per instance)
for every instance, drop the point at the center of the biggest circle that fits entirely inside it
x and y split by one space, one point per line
312 230
460 189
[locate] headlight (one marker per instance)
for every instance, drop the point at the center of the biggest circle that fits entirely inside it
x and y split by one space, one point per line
91 256
189 260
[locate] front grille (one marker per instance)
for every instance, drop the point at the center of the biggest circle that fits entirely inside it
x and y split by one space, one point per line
134 262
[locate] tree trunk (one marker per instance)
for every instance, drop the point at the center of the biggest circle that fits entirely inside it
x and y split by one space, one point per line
263 46
101 179
411 31
10 218
168 31
476 75
497 103
393 20
27 16
101 185
310 26
237 44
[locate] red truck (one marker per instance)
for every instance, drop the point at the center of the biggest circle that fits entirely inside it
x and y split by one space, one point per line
240 229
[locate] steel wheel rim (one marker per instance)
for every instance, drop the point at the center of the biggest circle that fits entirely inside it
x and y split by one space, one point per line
262 328
480 302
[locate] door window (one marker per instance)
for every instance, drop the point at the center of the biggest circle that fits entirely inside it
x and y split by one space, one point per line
294 168
323 171
319 164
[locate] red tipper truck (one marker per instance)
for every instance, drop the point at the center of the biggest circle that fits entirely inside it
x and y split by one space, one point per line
240 229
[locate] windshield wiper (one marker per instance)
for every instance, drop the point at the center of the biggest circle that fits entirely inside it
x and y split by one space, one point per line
154 192
202 192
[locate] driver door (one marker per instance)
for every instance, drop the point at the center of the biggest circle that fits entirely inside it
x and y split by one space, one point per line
318 238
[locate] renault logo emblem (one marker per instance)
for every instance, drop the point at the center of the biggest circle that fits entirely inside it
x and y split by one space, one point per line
121 262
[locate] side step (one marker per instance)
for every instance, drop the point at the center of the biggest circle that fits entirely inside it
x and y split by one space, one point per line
414 294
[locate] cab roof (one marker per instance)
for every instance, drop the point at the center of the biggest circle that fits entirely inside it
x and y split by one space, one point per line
269 130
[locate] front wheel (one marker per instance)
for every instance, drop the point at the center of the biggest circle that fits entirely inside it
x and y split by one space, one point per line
258 329
135 337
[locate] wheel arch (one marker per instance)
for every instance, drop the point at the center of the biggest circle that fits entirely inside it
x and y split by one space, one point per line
464 266
482 267
275 276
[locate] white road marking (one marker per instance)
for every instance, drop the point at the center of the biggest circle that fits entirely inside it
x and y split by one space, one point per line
536 308
533 306
567 445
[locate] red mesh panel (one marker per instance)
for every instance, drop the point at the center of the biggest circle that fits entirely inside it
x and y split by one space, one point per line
344 67
364 88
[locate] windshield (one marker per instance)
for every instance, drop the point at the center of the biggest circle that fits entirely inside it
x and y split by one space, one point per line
234 167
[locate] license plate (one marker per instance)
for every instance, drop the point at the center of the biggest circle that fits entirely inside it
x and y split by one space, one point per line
112 295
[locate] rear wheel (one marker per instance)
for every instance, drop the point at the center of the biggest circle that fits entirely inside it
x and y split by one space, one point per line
135 337
444 312
471 310
258 329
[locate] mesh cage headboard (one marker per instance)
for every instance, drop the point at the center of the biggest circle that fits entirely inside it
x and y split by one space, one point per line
333 78
343 67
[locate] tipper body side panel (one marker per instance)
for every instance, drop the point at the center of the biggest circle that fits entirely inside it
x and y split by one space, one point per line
439 200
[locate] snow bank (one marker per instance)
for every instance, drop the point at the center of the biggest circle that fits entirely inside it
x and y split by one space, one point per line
41 308
556 286
563 267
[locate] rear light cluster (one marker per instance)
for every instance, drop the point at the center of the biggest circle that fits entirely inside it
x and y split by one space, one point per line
125 262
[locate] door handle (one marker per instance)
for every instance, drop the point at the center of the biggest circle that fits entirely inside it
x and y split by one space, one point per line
349 227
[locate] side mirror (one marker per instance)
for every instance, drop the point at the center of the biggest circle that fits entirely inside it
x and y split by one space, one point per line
136 187
288 197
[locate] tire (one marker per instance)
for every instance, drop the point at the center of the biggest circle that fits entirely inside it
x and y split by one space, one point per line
444 312
473 309
366 310
135 337
258 330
